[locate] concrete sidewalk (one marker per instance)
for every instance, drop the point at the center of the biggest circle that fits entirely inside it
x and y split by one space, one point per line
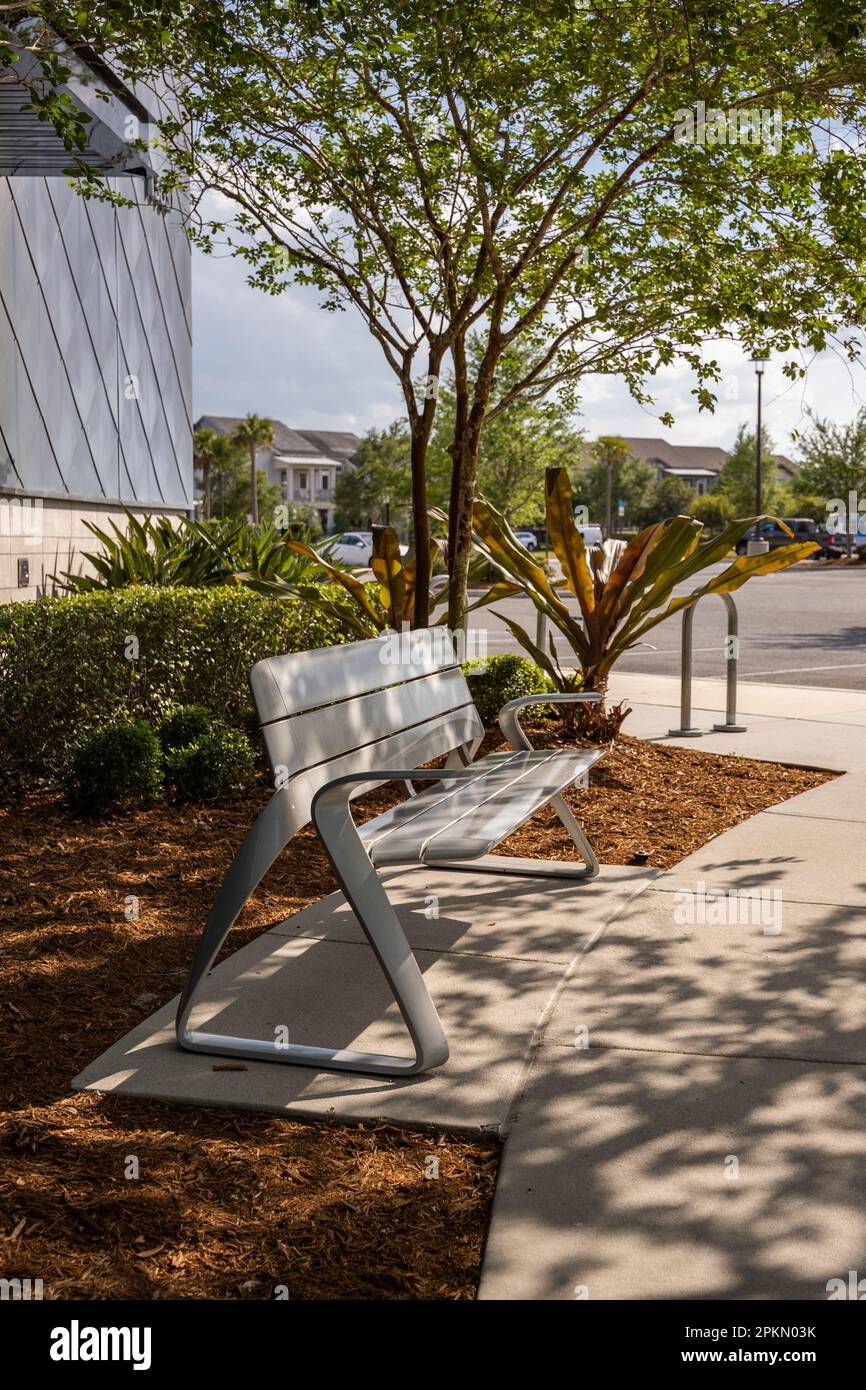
694 1123
684 1104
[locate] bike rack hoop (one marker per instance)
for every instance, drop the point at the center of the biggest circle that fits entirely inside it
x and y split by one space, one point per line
730 726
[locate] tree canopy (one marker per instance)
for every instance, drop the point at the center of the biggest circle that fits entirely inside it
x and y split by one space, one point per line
833 468
377 489
607 185
737 476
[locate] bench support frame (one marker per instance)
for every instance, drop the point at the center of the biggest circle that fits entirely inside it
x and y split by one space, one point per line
280 820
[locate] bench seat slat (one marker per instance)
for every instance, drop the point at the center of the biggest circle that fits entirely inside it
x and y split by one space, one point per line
473 816
441 794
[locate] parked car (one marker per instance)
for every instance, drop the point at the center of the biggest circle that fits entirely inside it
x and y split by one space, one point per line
528 539
352 548
804 529
592 535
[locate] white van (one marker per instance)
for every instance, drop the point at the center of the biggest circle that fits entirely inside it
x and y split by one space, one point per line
591 535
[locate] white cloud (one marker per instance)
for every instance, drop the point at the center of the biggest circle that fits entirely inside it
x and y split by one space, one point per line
287 358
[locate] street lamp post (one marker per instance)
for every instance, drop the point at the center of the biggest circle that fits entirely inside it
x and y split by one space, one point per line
758 546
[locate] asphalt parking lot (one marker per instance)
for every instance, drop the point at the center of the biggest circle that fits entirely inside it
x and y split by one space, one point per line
802 626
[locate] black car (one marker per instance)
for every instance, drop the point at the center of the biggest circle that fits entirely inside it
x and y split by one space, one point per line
804 529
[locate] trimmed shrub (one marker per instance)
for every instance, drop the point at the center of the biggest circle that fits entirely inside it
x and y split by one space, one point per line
218 763
502 678
74 664
115 767
183 727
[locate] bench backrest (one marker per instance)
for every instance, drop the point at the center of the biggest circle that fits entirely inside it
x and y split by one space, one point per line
397 700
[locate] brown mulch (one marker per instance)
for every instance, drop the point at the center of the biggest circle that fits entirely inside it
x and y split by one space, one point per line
229 1205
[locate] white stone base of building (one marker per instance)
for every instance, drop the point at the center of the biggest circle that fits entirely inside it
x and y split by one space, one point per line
49 536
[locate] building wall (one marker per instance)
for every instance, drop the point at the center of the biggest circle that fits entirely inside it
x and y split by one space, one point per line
95 367
52 538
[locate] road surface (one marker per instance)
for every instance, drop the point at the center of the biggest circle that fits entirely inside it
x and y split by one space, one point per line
802 626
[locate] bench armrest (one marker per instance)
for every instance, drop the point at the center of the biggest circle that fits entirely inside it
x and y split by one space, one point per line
508 716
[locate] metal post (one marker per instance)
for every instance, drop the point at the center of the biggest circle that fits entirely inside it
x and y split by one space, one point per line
541 630
732 652
759 490
687 729
730 726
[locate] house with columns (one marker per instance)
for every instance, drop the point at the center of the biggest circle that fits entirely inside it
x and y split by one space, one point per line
304 463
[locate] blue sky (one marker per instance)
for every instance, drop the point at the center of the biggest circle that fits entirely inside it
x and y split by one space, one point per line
290 360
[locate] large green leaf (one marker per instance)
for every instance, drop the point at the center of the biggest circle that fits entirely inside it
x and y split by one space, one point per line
744 567
539 656
353 586
496 541
387 566
567 542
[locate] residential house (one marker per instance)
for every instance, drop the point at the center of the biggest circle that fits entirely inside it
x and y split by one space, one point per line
699 465
305 463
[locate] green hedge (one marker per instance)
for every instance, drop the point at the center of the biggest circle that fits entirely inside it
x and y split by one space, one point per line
505 677
68 665
117 766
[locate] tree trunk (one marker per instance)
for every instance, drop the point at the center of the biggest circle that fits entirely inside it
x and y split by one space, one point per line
422 427
466 445
420 528
460 521
254 492
608 497
461 412
205 482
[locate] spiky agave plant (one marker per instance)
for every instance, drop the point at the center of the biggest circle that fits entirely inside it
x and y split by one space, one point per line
189 553
621 597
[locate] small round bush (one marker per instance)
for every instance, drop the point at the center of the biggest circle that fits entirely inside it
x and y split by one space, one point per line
183 727
502 678
217 764
113 767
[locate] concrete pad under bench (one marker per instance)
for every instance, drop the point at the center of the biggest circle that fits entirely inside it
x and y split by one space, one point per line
494 960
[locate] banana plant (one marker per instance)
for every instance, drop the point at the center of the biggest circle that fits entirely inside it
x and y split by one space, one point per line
621 597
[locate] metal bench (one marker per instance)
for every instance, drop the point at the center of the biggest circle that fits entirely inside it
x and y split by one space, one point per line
339 721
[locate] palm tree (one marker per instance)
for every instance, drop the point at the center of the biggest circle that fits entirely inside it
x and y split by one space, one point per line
205 450
254 432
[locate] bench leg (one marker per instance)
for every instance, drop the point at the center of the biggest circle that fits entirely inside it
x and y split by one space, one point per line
575 830
381 926
265 841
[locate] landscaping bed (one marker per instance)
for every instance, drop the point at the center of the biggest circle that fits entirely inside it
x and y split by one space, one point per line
229 1205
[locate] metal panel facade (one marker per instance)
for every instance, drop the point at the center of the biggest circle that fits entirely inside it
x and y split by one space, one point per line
95 347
